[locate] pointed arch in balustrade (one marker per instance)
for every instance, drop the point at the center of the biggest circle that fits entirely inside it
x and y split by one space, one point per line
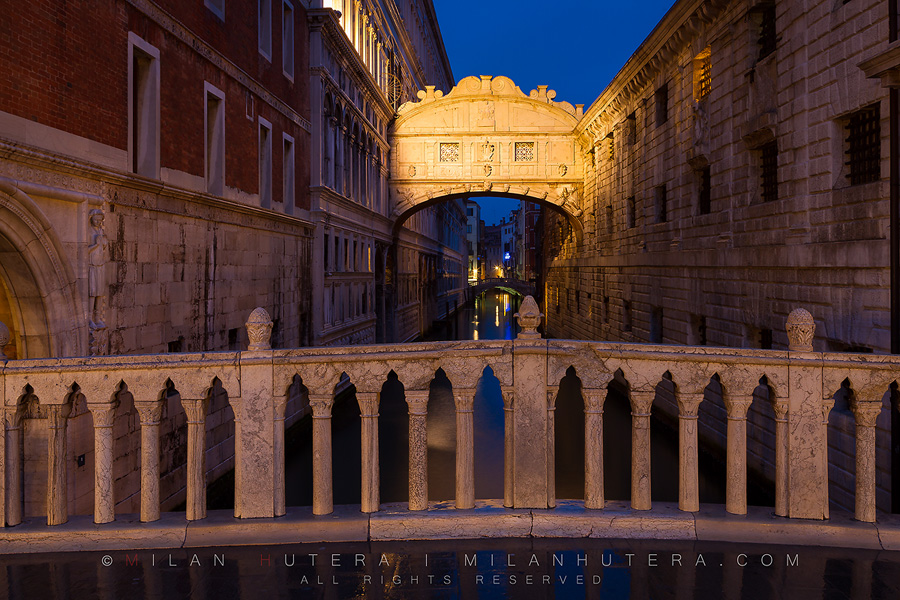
441 438
767 437
393 440
568 447
616 438
867 395
489 437
346 443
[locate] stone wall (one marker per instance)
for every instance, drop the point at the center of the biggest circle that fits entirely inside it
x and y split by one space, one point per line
727 269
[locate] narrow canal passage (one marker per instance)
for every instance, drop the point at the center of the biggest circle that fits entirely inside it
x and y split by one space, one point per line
491 317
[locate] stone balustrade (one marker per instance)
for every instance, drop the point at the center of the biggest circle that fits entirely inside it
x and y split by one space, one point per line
529 369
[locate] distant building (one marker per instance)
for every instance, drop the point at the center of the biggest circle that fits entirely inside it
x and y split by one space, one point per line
493 251
474 240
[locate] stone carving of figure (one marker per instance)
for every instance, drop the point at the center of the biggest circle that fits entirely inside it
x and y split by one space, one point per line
98 255
487 151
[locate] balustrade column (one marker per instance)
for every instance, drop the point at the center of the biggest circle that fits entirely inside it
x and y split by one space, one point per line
465 448
417 400
551 446
103 415
368 408
781 467
593 447
736 455
57 494
866 412
688 477
13 466
150 413
508 445
196 458
278 446
641 402
323 494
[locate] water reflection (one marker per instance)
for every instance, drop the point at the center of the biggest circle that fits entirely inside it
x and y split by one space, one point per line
556 568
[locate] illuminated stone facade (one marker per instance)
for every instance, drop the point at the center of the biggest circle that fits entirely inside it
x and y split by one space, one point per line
735 169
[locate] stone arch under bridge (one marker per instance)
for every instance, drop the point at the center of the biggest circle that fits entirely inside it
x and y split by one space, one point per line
487 137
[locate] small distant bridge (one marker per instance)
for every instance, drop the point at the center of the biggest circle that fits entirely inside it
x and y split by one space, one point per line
523 288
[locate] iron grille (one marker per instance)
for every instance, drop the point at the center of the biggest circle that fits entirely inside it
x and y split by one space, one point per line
864 146
704 76
769 172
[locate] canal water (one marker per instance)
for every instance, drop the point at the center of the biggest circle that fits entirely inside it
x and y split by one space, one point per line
491 317
458 569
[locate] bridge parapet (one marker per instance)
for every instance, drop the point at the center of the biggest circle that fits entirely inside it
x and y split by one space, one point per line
529 370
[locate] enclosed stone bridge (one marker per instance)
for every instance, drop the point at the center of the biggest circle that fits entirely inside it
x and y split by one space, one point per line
530 369
487 137
523 288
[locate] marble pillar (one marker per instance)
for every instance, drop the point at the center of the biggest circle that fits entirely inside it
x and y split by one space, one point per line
688 464
368 409
736 454
323 492
280 503
12 466
150 413
781 457
866 413
641 402
417 400
508 446
103 415
57 493
196 458
465 448
552 393
593 447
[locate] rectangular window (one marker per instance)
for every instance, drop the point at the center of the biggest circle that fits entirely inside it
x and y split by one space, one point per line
768 171
265 28
656 325
606 309
524 151
863 145
468 229
626 316
702 74
215 140
765 339
143 107
287 159
287 38
612 146
631 128
661 100
630 212
698 325
610 225
763 16
265 163
659 201
216 7
704 193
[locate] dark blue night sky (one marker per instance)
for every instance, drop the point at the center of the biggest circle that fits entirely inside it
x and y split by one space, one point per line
574 46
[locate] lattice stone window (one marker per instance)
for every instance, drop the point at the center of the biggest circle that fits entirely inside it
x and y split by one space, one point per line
863 145
702 74
524 151
449 151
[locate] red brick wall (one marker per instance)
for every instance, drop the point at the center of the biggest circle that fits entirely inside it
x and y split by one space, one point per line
66 66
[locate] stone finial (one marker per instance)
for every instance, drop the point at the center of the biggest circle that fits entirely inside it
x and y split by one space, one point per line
529 318
800 329
259 330
4 338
